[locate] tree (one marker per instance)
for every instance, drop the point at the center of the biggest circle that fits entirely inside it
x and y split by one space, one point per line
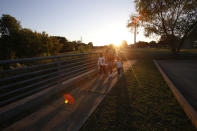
124 44
141 44
168 18
18 42
32 44
90 44
9 31
153 44
133 24
9 25
56 46
81 48
64 43
111 46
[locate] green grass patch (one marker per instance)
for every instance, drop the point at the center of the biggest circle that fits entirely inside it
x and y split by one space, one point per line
141 100
158 53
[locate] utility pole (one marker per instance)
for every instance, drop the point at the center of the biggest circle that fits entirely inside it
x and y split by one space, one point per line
135 30
135 34
81 39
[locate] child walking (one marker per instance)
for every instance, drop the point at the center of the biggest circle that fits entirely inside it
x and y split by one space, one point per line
119 66
101 63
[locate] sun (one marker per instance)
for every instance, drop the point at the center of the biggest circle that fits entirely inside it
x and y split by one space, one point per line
114 45
117 44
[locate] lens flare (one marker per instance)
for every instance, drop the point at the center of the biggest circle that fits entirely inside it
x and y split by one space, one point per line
68 99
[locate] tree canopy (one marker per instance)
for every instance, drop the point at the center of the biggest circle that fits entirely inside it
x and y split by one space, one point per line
9 25
18 42
171 19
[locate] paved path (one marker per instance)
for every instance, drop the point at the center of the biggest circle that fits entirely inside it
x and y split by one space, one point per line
183 73
61 116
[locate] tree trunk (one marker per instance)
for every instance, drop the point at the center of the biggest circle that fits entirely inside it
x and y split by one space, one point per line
173 45
173 49
180 44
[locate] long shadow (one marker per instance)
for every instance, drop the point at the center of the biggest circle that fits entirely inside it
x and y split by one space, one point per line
43 121
107 88
123 116
50 116
39 106
76 118
114 113
104 87
97 85
80 112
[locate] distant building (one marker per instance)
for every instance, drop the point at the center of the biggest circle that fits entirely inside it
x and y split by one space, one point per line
195 44
191 42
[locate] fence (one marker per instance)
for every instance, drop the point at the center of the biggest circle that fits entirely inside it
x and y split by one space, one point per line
31 75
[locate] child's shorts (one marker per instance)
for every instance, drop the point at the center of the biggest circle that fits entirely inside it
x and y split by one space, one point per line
119 71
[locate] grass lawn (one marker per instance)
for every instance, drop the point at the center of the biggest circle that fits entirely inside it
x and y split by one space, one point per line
141 100
157 53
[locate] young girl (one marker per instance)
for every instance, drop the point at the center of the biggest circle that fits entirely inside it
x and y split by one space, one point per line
119 66
101 62
110 56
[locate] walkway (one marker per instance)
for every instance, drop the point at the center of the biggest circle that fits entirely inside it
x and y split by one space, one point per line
61 116
183 73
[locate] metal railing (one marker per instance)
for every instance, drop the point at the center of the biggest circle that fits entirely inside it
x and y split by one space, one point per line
35 74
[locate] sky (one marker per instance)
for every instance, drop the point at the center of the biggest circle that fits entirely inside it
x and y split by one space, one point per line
99 21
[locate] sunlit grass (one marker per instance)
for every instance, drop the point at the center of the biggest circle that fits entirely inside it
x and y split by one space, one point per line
158 53
146 104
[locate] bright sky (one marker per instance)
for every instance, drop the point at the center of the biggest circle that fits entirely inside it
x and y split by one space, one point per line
99 21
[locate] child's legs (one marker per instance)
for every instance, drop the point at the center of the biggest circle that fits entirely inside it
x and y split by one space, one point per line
98 69
122 69
101 69
110 69
119 69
